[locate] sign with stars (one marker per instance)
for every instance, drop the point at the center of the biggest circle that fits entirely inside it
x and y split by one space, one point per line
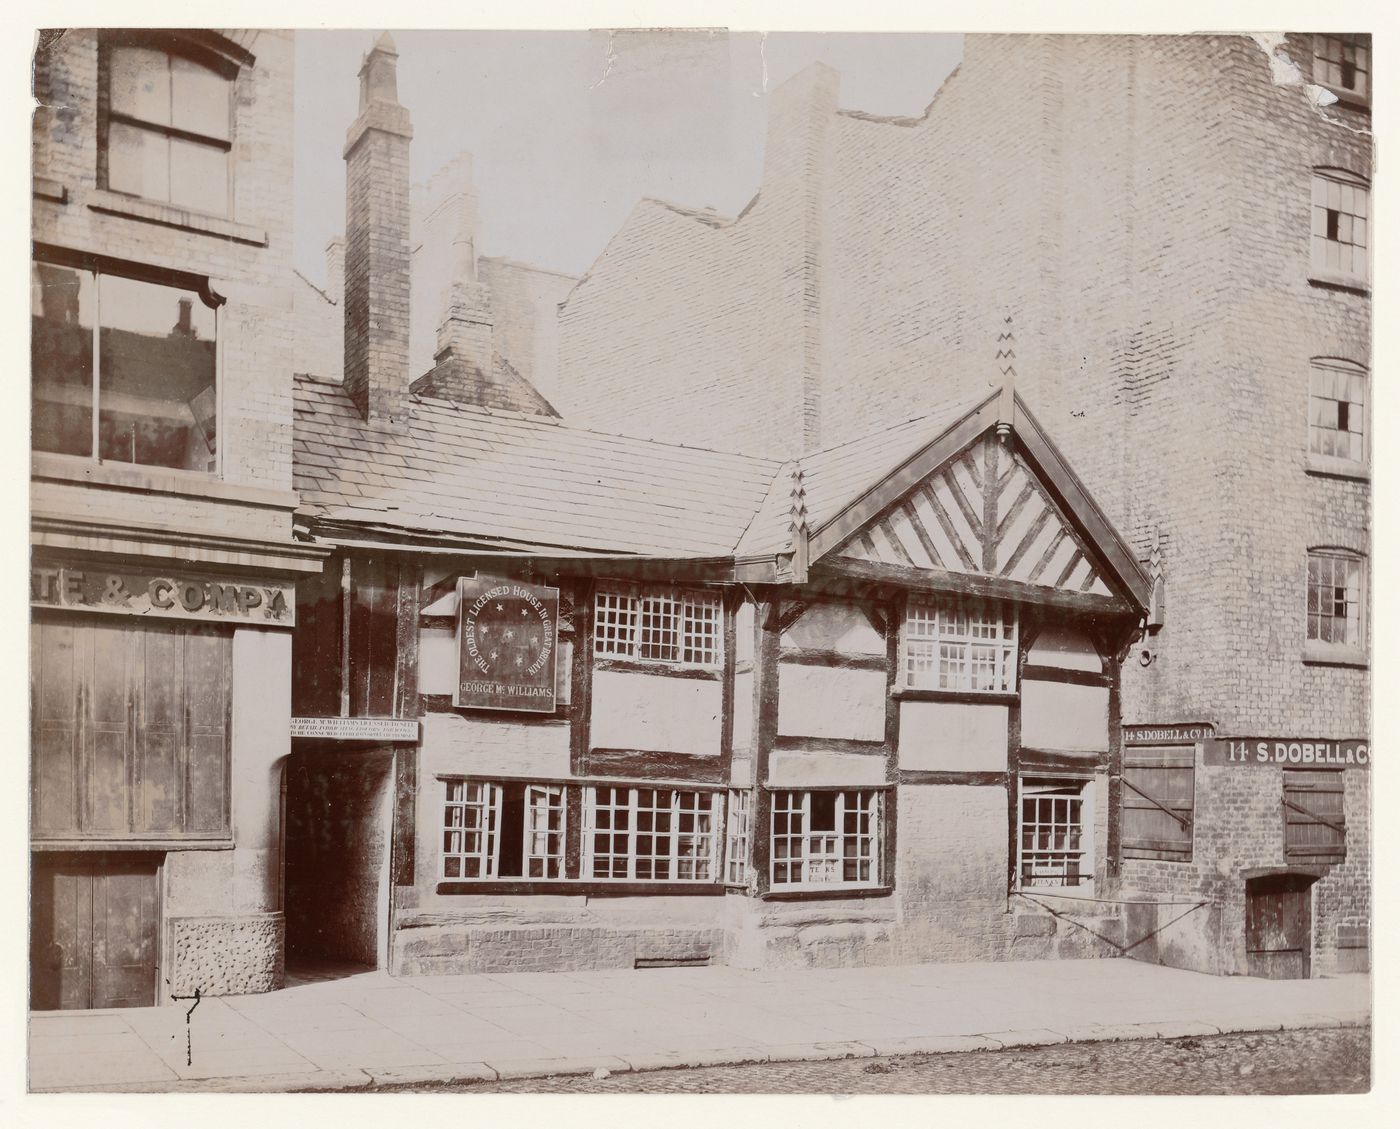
507 636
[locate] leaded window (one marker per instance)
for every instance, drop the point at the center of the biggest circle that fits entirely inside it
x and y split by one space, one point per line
670 625
650 834
960 645
826 838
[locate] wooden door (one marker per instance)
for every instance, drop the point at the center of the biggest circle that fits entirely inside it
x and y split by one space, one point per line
96 921
1278 926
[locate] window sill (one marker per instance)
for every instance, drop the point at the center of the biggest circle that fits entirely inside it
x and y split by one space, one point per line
579 887
175 844
824 893
1321 654
156 480
52 190
918 694
648 666
1329 281
1083 893
1324 467
167 215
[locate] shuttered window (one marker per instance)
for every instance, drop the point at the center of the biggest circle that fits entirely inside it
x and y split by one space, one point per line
1314 815
130 730
1158 802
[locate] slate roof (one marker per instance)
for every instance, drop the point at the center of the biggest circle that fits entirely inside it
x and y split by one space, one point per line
529 482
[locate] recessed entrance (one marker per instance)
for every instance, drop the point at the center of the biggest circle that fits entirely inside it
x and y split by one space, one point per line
1278 926
95 930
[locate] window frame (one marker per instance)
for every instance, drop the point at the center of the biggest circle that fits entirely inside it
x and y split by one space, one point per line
738 837
1360 42
1319 212
876 800
1318 649
200 285
222 59
1006 672
491 804
616 640
1087 825
674 858
1339 464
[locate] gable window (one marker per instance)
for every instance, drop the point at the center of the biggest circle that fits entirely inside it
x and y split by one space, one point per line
507 829
1341 206
670 625
1342 63
123 368
826 838
1314 815
650 834
1335 587
1337 411
1055 833
166 124
960 645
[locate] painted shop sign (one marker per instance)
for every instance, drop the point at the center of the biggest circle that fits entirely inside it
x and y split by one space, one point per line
1290 751
356 728
1179 733
507 637
129 591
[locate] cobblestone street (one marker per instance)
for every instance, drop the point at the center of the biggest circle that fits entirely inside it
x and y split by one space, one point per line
1333 1061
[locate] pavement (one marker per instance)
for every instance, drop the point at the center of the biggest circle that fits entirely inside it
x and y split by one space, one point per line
370 1029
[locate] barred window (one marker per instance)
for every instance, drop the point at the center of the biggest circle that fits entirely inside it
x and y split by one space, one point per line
736 847
1334 597
1337 410
508 829
1343 64
674 625
826 838
650 834
1341 205
1054 823
960 645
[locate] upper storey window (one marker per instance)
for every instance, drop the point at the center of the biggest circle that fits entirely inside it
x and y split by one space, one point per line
960 645
167 125
1342 63
123 368
1341 209
1337 413
669 625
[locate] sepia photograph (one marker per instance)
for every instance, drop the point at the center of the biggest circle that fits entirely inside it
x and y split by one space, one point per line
690 560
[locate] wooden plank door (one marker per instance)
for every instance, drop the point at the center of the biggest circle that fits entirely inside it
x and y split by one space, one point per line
1278 924
125 925
60 951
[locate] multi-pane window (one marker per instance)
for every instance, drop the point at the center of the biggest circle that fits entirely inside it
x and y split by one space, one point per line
1343 64
674 625
503 830
1314 814
827 838
1334 597
650 834
1337 410
1341 205
960 645
168 128
736 845
1054 833
122 368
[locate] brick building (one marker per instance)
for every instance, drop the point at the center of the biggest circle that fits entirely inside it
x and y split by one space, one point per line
565 699
163 562
1179 227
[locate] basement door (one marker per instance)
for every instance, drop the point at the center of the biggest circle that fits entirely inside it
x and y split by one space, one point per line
1278 926
95 924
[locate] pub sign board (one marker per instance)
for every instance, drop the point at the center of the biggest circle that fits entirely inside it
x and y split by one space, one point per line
127 590
507 639
1291 752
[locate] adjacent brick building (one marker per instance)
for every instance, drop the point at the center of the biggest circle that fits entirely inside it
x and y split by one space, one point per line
164 567
1178 230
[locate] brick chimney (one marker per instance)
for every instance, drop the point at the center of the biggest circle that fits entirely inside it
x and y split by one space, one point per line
376 241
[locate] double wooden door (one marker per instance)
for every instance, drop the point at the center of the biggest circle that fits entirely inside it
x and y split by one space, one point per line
1278 926
95 930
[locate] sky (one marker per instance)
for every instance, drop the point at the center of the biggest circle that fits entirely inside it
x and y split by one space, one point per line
569 129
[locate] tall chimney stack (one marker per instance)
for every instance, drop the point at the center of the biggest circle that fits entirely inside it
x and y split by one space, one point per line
376 241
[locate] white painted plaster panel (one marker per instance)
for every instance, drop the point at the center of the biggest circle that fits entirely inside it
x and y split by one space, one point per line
477 744
821 701
741 772
437 660
835 627
952 736
743 711
1055 715
799 768
1066 648
743 631
655 713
